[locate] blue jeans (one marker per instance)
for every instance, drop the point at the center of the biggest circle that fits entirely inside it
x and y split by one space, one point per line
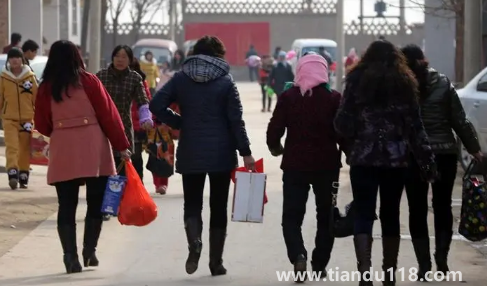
367 183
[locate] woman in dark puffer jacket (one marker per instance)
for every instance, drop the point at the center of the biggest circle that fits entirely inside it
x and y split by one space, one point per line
442 113
379 115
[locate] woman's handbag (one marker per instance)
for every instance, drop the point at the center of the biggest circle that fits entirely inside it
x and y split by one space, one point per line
161 155
473 218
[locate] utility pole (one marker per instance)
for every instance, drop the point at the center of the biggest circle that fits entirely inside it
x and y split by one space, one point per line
85 26
339 73
472 45
172 20
95 37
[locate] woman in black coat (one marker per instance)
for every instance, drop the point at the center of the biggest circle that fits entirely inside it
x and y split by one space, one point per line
212 130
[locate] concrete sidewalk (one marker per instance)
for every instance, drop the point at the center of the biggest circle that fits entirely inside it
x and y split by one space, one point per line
155 255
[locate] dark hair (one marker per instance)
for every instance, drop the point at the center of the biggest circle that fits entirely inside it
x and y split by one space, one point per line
419 65
127 49
30 45
135 66
148 53
180 53
15 38
382 76
209 46
15 53
63 68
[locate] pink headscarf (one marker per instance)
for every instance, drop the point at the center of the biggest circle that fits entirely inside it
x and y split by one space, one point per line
311 71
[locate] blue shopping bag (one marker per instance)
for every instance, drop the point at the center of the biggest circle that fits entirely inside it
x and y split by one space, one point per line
113 193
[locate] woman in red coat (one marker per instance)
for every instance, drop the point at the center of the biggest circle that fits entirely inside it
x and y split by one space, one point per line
74 109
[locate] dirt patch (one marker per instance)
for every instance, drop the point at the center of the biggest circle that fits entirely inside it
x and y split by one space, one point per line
21 211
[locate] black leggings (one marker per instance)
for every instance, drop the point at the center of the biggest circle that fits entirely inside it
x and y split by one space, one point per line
417 194
137 160
68 193
193 186
265 98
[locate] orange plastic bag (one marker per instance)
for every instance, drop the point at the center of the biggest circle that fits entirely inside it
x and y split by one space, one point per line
136 207
259 168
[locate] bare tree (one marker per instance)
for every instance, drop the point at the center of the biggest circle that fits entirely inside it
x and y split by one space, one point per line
448 9
115 9
142 9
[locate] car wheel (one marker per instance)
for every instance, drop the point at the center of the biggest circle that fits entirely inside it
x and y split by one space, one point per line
464 157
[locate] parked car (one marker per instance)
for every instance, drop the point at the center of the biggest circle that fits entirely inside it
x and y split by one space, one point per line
37 64
163 50
474 100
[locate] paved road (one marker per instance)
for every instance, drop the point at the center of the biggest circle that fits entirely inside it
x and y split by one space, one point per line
155 255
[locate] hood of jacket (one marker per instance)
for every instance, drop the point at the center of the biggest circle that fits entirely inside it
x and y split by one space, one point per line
26 72
143 60
201 68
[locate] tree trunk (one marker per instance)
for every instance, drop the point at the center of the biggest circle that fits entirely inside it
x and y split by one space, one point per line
459 39
115 33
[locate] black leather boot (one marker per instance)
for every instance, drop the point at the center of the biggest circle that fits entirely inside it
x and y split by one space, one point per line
390 251
193 227
13 178
363 251
300 265
217 244
443 241
24 179
67 235
422 250
90 241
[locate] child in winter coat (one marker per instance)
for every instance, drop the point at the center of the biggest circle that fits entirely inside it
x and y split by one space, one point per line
18 91
151 71
264 71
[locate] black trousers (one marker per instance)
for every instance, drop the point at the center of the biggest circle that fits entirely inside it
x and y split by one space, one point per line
265 98
367 183
417 194
193 187
253 73
296 186
68 194
137 160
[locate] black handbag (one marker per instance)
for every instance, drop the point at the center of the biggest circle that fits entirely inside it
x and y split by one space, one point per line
157 165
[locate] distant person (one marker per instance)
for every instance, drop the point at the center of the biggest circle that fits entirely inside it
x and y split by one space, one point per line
30 49
178 60
72 106
17 95
264 72
15 40
150 70
276 52
352 58
280 74
253 69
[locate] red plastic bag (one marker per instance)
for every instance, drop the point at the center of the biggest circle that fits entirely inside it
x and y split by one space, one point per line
259 168
137 207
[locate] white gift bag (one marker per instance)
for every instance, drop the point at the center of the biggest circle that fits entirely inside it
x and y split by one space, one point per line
248 197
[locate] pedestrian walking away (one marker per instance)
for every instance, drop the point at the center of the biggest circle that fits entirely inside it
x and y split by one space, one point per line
281 73
379 117
442 113
76 112
212 130
253 70
310 158
264 72
18 91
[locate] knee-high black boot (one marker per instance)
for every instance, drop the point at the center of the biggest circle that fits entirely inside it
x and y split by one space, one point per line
67 235
217 244
193 228
443 241
363 251
90 242
422 251
390 251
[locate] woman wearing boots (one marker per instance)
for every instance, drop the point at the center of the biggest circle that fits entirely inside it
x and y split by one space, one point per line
18 91
310 158
76 112
379 115
212 129
442 113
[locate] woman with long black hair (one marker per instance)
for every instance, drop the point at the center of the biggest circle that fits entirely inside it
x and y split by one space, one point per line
76 112
379 116
442 113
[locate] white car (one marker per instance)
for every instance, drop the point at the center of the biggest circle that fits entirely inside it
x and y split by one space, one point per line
37 64
474 100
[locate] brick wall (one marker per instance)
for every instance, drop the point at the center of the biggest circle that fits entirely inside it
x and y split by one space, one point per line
4 36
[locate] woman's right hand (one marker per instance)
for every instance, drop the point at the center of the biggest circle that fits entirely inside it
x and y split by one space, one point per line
126 154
